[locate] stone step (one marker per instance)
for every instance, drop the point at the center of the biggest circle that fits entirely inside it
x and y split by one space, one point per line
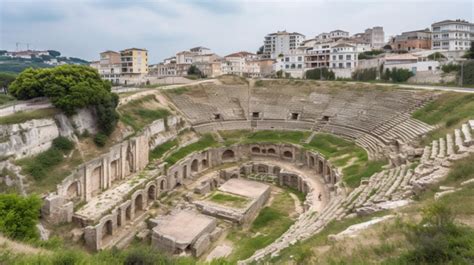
450 144
442 148
471 123
426 154
467 134
434 149
458 141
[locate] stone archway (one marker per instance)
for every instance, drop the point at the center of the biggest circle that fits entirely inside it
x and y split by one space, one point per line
195 165
138 203
204 163
312 161
255 150
271 151
162 184
73 190
228 154
185 171
151 194
107 229
128 213
288 154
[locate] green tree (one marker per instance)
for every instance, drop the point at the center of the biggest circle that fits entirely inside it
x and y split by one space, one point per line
468 73
70 87
54 53
19 216
470 54
320 74
400 75
6 79
194 70
365 74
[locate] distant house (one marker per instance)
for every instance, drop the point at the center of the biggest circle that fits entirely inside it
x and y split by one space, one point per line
452 35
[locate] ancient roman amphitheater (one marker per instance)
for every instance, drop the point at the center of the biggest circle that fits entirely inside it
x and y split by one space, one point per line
228 146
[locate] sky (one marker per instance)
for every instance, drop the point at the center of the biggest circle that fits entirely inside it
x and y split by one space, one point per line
84 28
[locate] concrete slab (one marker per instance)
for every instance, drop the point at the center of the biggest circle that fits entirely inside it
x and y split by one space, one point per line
245 188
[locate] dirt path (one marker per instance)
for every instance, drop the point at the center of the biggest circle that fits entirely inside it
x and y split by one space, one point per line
298 209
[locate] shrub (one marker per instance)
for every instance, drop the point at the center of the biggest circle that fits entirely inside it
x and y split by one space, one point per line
19 216
320 73
468 73
436 56
64 144
100 139
400 75
448 68
38 166
365 74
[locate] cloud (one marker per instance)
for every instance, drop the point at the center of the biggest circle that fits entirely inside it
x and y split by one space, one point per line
84 28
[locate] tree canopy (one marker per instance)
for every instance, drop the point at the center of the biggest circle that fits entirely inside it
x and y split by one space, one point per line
70 87
19 216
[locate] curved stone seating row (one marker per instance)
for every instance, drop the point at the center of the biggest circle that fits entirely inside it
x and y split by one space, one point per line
387 189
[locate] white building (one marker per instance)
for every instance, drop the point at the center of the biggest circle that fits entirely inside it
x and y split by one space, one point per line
292 63
452 35
281 42
241 64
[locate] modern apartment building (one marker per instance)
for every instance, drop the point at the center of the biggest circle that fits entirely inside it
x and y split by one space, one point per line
134 62
239 64
375 37
292 63
281 42
332 36
452 35
110 66
317 56
412 41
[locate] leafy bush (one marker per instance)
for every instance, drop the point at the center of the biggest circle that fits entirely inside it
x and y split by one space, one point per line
438 240
468 73
448 68
19 216
100 139
400 75
70 87
365 74
436 56
369 54
64 144
320 73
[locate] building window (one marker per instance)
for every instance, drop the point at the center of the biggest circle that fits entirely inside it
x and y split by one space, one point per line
348 65
341 57
348 57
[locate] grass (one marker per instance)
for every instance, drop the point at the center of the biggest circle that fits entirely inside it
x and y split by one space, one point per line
23 116
448 111
345 154
271 223
227 199
161 149
206 141
141 112
49 168
178 91
5 99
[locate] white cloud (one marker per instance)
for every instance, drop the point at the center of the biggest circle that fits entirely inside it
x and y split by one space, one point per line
83 28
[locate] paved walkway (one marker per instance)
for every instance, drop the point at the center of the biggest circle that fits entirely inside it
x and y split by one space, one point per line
424 87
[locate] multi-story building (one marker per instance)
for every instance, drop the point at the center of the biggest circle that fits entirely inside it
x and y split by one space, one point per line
201 50
110 66
164 69
292 63
412 41
238 64
317 56
375 37
452 35
332 36
281 42
134 62
343 55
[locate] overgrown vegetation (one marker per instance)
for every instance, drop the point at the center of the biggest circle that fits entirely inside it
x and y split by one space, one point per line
23 116
368 74
320 74
161 149
228 199
70 87
204 142
19 216
451 67
369 54
448 111
141 112
271 223
468 73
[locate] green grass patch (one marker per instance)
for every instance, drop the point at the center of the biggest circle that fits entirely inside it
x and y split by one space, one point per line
23 116
270 224
448 111
206 141
5 99
161 149
137 114
227 199
178 91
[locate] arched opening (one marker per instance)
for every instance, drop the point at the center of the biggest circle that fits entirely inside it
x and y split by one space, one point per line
107 229
185 171
138 203
255 149
96 180
204 163
276 170
73 190
194 165
128 213
311 161
162 184
271 151
176 174
114 170
151 194
320 168
228 154
262 169
234 176
264 151
288 154
119 217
